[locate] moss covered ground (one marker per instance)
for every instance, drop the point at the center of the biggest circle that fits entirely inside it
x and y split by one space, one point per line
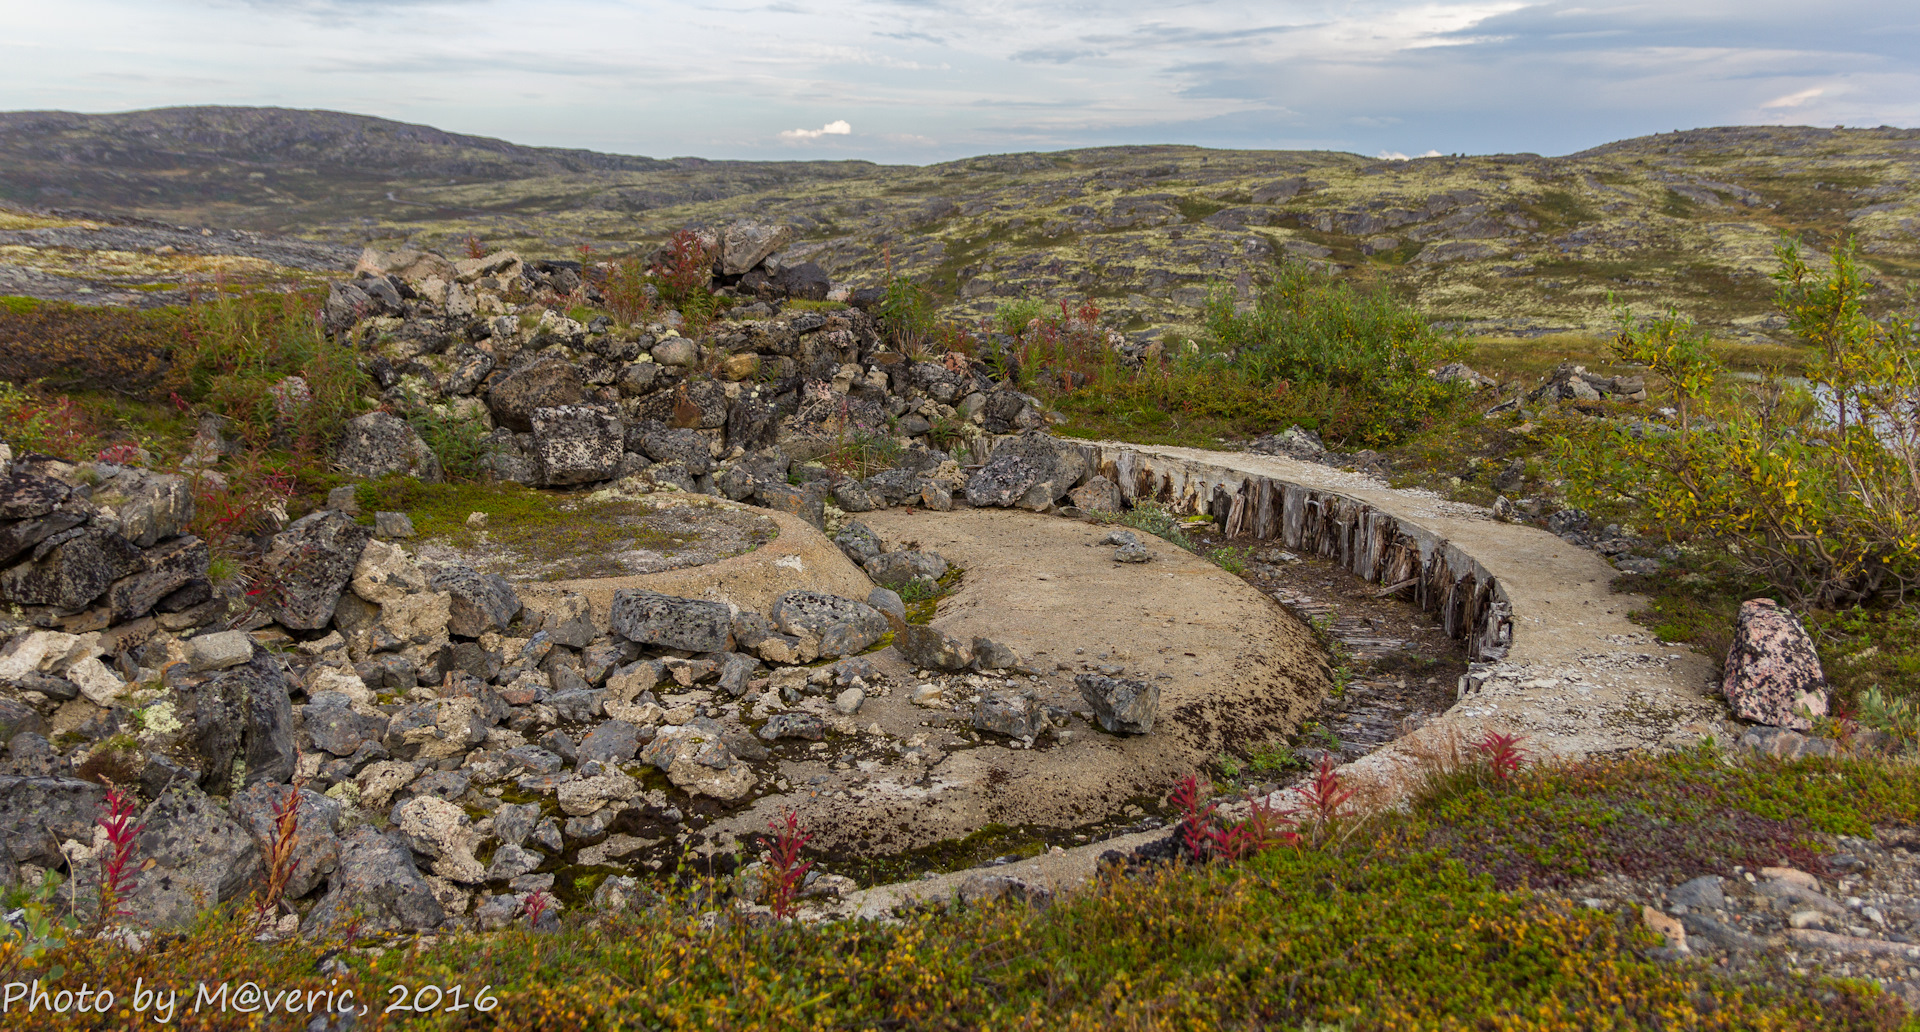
1496 243
1445 916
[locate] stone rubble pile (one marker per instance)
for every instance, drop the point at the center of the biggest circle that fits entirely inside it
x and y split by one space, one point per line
447 741
451 747
770 386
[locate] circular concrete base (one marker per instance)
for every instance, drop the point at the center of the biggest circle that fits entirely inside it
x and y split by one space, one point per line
1234 667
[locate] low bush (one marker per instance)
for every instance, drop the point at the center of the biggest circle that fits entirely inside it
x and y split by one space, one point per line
1154 519
262 361
630 298
76 347
683 274
1408 923
1818 496
906 316
463 445
1306 328
31 420
1310 351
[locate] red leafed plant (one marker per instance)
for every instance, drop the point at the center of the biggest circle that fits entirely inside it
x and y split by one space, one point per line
1265 826
1325 795
117 866
280 861
1197 824
1503 753
624 285
685 268
475 249
1203 835
121 454
783 862
250 499
535 906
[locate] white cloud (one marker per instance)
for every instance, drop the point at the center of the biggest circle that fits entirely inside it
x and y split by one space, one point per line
1793 100
1397 156
837 127
939 79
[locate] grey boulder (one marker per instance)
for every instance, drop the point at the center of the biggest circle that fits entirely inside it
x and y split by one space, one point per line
1031 471
478 602
201 858
933 649
859 543
376 883
897 570
310 564
380 443
1098 494
547 383
1005 713
39 813
650 618
615 741
576 444
1121 706
841 626
245 712
794 725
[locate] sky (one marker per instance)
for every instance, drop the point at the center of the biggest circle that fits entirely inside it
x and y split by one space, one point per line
918 81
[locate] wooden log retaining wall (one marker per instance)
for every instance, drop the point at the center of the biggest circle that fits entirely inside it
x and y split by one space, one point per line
1422 566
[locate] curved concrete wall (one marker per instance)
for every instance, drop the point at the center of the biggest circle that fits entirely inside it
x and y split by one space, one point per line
1368 541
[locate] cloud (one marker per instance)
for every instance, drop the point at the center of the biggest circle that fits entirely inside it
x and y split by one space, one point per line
942 79
1397 156
837 127
1793 100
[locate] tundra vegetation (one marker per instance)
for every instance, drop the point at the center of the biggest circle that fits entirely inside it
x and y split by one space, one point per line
1788 468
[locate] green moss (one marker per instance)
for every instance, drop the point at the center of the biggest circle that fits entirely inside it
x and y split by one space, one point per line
1196 209
578 534
1562 210
989 842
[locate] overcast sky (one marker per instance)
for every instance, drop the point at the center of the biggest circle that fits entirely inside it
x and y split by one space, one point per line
927 80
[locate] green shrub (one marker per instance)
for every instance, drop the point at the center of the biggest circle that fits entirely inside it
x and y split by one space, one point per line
1896 716
463 445
1231 558
1822 501
861 452
1306 328
1012 317
1153 518
906 314
263 361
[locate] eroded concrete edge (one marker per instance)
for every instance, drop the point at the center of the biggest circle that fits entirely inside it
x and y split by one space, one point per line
1555 658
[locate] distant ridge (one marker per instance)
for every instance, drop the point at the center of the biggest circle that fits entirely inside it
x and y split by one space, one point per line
189 137
287 170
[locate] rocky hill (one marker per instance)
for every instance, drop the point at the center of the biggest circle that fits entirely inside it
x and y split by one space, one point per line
1500 244
282 170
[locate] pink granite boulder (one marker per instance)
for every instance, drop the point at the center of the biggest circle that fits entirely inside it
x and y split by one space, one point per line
1773 673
